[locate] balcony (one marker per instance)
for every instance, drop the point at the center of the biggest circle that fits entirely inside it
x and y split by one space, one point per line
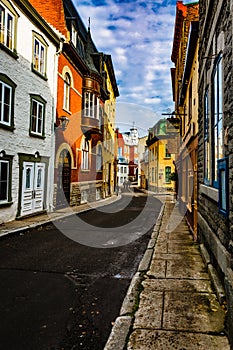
90 125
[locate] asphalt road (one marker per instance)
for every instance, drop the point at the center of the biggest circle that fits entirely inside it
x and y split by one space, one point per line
62 285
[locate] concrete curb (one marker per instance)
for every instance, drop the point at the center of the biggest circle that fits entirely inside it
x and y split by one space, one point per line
57 216
122 324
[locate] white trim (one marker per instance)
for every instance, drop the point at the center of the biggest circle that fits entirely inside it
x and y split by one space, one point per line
209 192
64 146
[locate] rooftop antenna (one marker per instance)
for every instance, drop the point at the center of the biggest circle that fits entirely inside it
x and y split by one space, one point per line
89 23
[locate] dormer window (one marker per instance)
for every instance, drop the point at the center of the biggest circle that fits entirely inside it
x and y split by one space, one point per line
8 21
39 55
73 35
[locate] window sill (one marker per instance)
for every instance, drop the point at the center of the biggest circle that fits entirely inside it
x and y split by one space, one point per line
5 204
37 136
44 77
209 192
7 127
11 53
66 110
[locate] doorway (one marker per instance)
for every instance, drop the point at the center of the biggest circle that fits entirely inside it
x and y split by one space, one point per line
63 179
32 188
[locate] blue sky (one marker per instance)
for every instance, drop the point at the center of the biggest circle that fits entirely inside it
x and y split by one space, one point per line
139 36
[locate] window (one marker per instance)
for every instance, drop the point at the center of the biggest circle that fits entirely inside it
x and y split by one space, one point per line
7 88
99 158
153 175
37 116
190 101
167 174
5 180
39 55
85 154
67 84
217 130
84 196
92 108
80 46
206 138
223 176
74 35
167 153
7 23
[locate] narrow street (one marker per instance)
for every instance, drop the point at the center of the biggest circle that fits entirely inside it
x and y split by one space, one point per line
60 293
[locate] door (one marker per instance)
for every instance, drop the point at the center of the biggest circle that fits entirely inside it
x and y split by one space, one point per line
32 188
63 180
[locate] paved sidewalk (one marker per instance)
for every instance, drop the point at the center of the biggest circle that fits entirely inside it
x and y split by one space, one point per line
170 303
31 222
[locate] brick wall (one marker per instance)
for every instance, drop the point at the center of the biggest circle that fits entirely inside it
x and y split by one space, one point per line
53 13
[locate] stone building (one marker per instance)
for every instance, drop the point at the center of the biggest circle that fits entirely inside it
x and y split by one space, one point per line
28 90
215 153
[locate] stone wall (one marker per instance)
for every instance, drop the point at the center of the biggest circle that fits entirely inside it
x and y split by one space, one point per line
215 229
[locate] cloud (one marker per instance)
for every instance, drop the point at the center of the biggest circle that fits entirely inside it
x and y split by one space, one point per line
139 37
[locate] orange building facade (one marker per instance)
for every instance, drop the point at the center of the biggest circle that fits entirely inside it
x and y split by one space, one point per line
82 92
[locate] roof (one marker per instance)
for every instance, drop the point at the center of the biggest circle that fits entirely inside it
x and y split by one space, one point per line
192 44
181 11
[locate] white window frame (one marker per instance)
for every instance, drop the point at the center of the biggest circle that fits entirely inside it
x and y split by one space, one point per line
217 116
5 200
74 35
85 154
39 60
39 107
67 85
3 103
90 109
4 35
99 157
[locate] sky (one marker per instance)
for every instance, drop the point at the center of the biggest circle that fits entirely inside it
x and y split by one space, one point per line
139 37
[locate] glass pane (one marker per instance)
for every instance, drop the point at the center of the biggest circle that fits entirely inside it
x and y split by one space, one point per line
42 57
215 98
40 119
1 98
28 178
215 152
39 178
34 116
9 31
220 88
36 55
4 169
220 140
2 19
223 190
7 102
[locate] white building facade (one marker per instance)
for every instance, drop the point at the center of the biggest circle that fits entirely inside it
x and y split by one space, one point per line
28 90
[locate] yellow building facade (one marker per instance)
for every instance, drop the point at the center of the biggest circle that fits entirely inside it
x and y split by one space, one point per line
161 159
109 155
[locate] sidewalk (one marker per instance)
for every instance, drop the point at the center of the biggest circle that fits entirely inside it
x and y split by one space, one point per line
170 303
24 224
